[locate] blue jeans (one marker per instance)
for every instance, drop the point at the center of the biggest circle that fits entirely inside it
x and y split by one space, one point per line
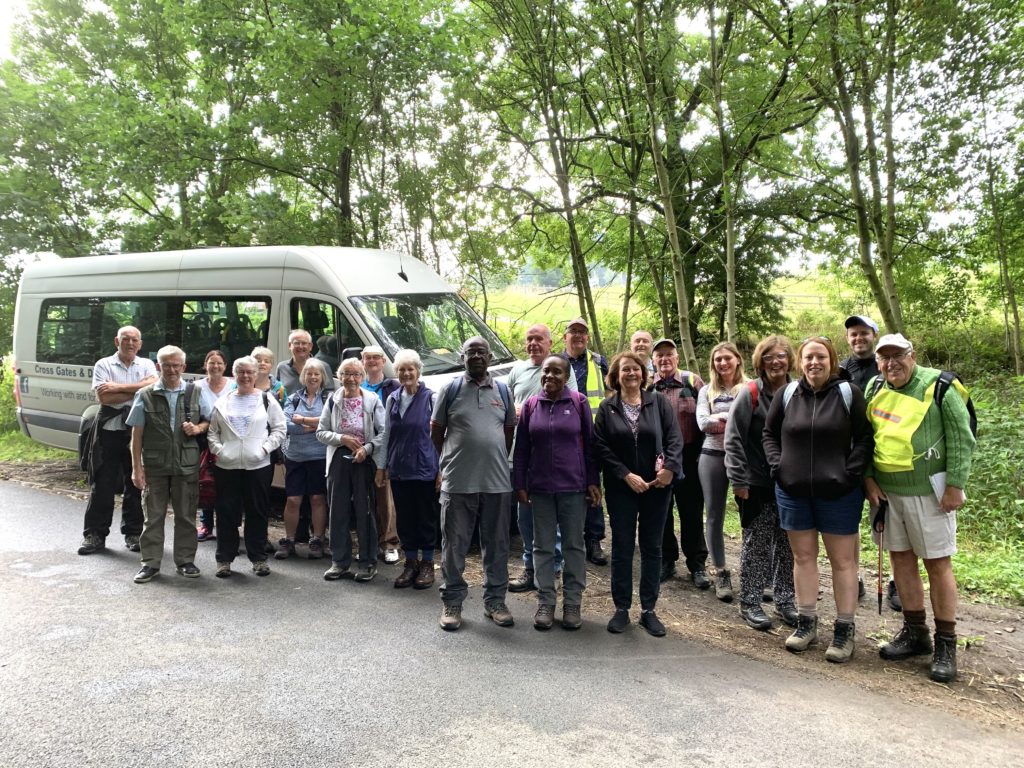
525 514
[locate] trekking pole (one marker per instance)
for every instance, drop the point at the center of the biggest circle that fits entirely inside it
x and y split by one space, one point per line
878 524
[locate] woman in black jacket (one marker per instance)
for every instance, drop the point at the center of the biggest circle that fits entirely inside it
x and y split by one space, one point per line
817 440
640 448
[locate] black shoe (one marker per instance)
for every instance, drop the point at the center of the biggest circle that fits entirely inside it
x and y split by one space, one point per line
595 554
700 579
755 618
894 599
649 620
668 570
619 621
943 668
131 543
146 573
910 641
523 583
189 571
860 587
788 613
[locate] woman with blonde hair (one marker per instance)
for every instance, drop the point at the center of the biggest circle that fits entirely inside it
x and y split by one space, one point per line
265 382
714 402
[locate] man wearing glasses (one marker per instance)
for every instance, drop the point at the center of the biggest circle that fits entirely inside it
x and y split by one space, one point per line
922 459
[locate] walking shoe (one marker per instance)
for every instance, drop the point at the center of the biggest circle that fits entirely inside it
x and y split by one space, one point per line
841 648
860 587
649 620
767 595
523 582
91 544
943 669
668 570
336 572
316 548
366 573
188 570
619 621
451 617
269 548
571 618
408 574
260 568
205 533
544 617
788 614
894 599
499 613
595 554
723 586
805 634
755 618
223 570
131 543
391 556
146 573
286 548
425 575
911 640
700 579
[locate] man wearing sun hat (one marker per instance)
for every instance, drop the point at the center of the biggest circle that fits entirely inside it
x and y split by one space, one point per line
920 465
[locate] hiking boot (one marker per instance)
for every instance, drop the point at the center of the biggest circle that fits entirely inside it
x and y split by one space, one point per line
571 618
499 613
523 582
92 543
425 575
336 572
408 574
544 617
595 554
316 548
205 533
146 573
788 614
668 570
700 579
943 669
223 570
188 570
805 634
894 599
260 568
755 618
286 549
649 620
841 648
366 573
619 621
451 617
911 640
767 595
131 543
723 586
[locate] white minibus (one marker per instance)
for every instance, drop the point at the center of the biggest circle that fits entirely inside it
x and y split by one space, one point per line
232 299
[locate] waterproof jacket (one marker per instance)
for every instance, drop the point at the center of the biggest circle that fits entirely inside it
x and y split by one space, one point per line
329 433
252 451
814 446
621 454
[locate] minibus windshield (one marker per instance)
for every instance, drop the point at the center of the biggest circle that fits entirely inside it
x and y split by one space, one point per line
434 324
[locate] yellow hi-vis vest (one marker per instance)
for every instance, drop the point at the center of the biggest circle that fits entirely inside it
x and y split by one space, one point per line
595 384
895 418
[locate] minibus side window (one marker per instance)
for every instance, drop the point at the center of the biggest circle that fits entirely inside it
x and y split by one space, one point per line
330 329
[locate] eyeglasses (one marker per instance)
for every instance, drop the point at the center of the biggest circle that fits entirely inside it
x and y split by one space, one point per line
351 375
885 359
816 338
782 357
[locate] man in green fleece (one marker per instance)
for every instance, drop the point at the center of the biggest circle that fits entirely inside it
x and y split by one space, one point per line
921 462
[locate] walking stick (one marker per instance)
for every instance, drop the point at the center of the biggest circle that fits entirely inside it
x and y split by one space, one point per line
878 524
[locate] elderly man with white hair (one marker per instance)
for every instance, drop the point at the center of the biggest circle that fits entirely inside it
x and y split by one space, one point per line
289 372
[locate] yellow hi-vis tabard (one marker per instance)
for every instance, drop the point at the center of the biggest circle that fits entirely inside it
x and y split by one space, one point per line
595 384
895 418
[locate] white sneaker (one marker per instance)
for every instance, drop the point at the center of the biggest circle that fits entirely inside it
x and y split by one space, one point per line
391 556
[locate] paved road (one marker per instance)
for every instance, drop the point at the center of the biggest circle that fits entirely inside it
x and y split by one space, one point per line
294 671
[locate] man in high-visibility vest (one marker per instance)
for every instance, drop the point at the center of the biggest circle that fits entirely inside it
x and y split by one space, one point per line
921 462
590 370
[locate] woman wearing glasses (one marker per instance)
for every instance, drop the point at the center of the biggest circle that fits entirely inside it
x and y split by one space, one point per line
817 440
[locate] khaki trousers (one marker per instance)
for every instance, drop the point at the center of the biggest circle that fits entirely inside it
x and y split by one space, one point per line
182 491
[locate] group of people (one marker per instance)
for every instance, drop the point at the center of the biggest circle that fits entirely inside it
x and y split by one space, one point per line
803 443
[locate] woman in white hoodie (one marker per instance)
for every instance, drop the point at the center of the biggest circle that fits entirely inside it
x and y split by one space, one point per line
245 429
352 428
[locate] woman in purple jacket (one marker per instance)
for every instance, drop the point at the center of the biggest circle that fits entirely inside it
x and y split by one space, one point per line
554 470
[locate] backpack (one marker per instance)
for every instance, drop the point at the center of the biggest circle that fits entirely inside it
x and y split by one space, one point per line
456 386
754 385
942 385
324 394
845 389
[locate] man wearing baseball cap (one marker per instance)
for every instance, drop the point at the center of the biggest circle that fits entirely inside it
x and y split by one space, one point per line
921 462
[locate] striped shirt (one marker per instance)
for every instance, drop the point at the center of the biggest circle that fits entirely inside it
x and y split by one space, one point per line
114 371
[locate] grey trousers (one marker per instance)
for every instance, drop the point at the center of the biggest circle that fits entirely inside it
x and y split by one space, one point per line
553 512
183 493
459 513
715 483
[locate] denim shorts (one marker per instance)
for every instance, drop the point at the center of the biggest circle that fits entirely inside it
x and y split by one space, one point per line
840 517
305 478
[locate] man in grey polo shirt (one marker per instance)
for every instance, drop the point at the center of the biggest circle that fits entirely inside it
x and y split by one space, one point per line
471 427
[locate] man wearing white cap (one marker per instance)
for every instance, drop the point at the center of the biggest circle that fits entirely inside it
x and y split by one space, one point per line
921 462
